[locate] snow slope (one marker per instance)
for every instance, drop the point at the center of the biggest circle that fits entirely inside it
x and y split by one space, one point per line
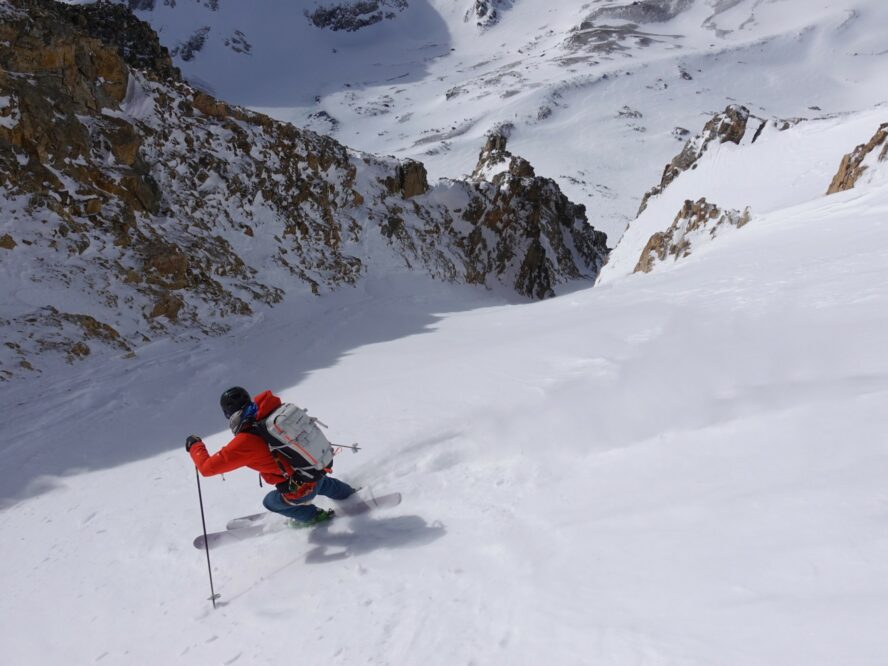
680 468
597 93
771 171
685 467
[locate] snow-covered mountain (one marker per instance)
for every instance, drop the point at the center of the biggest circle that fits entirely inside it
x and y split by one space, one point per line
683 464
680 467
741 167
136 207
611 83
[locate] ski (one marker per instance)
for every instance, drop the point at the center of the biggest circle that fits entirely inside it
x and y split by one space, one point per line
348 508
248 527
215 539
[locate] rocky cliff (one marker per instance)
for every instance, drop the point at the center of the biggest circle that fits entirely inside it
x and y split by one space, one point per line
509 206
135 207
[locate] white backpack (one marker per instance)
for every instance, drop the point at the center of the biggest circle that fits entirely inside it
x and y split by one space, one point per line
295 435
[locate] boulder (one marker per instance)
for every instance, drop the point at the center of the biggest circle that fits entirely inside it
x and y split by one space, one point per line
410 180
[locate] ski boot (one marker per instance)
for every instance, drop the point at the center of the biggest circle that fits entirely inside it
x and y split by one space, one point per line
322 516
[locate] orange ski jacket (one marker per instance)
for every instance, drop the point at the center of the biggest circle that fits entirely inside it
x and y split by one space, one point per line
249 450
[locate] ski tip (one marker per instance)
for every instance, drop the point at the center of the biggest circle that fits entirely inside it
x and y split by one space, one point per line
384 501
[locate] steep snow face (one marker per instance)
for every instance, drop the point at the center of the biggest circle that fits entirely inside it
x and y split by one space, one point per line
771 168
684 467
611 85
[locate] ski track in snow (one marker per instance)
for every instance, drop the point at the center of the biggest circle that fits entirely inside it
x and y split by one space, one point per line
685 467
681 468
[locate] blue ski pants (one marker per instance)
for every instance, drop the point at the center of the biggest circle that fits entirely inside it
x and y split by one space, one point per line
302 509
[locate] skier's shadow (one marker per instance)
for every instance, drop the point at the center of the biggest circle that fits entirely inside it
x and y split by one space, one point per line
365 535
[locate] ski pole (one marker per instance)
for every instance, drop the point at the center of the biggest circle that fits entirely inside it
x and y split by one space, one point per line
213 595
354 447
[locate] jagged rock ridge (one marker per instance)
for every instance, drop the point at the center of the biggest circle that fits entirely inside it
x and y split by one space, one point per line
136 41
166 211
696 220
641 11
733 125
497 164
729 126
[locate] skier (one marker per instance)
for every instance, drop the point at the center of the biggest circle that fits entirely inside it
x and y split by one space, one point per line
291 498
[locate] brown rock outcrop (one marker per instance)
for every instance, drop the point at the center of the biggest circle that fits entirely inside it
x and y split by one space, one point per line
134 40
696 220
68 76
518 204
410 180
852 166
496 163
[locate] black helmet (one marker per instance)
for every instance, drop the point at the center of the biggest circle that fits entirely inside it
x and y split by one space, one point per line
234 399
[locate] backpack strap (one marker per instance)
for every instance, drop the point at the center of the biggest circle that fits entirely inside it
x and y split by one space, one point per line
299 476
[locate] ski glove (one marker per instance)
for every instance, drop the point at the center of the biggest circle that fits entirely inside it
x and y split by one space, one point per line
192 439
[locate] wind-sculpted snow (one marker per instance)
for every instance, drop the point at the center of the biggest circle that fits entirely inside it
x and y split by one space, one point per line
159 210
